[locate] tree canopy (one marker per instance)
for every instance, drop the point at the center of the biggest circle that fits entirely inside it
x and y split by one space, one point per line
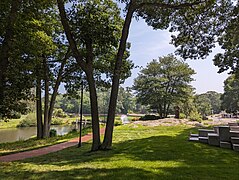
230 98
163 82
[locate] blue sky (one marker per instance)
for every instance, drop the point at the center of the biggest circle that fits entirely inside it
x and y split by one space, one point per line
148 44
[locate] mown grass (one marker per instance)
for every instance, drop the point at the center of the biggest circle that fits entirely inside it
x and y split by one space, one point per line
138 153
34 143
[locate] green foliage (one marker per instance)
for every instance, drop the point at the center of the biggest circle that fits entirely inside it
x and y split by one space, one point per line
53 133
203 105
28 121
195 116
118 122
24 34
57 121
59 113
162 83
228 60
230 99
182 116
197 26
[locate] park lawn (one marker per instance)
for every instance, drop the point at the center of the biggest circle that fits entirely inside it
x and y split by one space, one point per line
138 153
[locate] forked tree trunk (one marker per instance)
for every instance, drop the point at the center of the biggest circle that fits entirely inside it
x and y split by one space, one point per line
107 143
89 73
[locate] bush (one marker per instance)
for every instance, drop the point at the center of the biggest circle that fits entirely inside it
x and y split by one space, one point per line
118 122
15 115
59 113
182 116
195 116
149 117
53 133
56 121
135 119
28 121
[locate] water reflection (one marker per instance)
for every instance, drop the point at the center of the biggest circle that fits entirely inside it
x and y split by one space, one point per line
16 134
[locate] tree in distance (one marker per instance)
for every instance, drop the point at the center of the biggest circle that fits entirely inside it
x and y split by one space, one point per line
162 83
230 98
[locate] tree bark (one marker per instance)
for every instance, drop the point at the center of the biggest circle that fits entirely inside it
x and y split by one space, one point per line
46 126
94 111
39 108
56 87
93 96
88 69
107 143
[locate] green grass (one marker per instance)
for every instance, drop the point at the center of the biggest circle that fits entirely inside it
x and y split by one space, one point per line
12 123
33 143
138 153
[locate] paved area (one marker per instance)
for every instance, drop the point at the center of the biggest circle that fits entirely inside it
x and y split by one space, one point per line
46 150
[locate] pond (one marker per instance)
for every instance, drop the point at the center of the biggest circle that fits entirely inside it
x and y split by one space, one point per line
16 134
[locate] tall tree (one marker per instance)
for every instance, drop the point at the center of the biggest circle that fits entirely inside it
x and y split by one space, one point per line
203 105
230 97
163 83
18 24
160 14
94 26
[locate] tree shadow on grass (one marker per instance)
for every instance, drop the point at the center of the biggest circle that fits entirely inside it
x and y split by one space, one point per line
169 157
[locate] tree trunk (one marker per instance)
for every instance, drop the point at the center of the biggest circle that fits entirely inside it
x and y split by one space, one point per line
167 109
6 48
160 111
39 108
107 143
56 87
94 111
46 126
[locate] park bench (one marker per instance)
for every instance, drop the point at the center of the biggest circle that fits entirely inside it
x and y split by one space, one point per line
222 136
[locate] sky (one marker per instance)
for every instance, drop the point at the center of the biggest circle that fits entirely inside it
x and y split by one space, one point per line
148 44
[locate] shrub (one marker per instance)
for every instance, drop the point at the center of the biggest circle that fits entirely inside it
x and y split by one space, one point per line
195 116
15 115
118 122
59 113
182 116
28 121
149 117
135 119
53 133
56 121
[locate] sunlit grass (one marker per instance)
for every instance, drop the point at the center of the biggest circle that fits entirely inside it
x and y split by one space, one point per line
138 153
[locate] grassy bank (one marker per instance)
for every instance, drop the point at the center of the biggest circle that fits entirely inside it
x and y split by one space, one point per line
12 123
33 143
138 153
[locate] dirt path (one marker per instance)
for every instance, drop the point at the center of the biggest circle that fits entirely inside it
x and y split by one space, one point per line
46 150
174 122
